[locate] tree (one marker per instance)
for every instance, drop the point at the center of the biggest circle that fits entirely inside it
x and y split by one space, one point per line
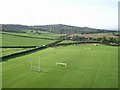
103 40
111 39
99 39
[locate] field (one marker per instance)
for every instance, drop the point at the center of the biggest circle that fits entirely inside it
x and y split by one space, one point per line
16 39
99 35
67 41
88 66
9 40
8 51
31 34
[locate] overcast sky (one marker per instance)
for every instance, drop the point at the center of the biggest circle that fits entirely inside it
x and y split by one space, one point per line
83 13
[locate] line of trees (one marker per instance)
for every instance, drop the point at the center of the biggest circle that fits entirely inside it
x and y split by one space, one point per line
104 40
78 38
109 41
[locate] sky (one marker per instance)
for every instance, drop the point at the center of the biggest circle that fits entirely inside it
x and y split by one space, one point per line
102 14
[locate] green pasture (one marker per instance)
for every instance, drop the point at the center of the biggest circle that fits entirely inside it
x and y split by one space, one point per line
68 41
8 51
32 34
88 66
9 40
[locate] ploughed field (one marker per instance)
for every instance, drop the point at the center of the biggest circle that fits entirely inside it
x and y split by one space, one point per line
88 66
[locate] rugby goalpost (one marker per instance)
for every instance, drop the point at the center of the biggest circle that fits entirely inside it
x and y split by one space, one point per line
36 67
59 63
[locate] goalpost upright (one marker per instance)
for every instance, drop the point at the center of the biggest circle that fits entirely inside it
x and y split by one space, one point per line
31 65
38 67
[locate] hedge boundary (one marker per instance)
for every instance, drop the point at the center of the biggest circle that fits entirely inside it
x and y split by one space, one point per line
5 58
18 46
56 43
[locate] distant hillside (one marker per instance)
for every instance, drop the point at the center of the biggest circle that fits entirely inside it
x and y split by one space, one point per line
13 27
56 28
67 29
18 28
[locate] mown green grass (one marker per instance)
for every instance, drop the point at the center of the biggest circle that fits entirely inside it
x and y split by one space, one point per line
94 68
9 40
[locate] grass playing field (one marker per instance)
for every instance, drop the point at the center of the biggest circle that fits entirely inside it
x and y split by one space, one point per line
88 66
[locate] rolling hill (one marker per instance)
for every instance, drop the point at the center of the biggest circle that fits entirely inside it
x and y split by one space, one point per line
55 28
